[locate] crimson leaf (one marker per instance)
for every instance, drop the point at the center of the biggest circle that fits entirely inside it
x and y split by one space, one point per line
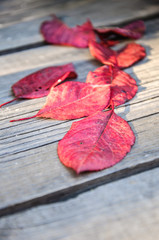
38 84
123 58
56 32
72 100
96 142
123 86
134 30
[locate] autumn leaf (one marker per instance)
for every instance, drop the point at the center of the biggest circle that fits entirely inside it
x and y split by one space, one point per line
96 142
130 54
123 58
123 86
72 100
56 32
134 30
38 84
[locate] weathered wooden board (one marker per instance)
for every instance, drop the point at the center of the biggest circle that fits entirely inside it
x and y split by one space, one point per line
29 14
36 164
70 10
126 209
28 149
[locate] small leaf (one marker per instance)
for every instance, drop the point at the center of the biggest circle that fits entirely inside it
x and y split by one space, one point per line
123 58
130 54
134 30
123 86
96 142
72 100
56 32
38 84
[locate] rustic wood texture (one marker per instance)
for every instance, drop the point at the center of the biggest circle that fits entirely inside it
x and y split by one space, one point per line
28 148
30 171
27 16
126 209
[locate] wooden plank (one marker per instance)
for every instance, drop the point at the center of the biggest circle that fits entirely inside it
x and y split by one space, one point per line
28 149
29 16
16 11
126 209
37 166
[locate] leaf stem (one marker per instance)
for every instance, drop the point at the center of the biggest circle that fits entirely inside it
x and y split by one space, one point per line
8 102
21 119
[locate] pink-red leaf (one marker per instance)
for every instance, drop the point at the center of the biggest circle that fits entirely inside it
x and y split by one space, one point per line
56 32
123 86
96 142
38 84
72 100
134 30
123 58
130 54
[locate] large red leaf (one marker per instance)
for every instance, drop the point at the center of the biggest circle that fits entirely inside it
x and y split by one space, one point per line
96 142
134 30
123 86
38 84
56 32
123 58
72 100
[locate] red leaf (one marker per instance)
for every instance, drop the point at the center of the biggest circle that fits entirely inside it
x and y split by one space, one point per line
38 84
130 54
134 30
123 86
72 100
104 54
56 32
123 58
96 142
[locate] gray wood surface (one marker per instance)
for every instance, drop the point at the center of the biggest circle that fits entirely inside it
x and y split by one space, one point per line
28 149
126 209
39 197
23 18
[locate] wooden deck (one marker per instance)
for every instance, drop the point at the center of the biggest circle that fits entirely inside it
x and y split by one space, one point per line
40 199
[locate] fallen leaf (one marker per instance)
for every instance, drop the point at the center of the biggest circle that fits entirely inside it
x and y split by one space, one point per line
96 142
123 58
123 86
56 32
130 54
102 53
134 30
72 100
38 84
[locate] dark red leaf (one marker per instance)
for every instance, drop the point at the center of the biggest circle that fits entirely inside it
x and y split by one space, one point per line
72 100
123 86
56 32
38 84
134 30
96 142
122 58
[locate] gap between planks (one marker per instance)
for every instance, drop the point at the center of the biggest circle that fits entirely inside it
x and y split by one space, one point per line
74 191
85 181
128 207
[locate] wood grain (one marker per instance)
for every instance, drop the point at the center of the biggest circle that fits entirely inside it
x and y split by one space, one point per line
29 14
36 164
128 207
28 149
